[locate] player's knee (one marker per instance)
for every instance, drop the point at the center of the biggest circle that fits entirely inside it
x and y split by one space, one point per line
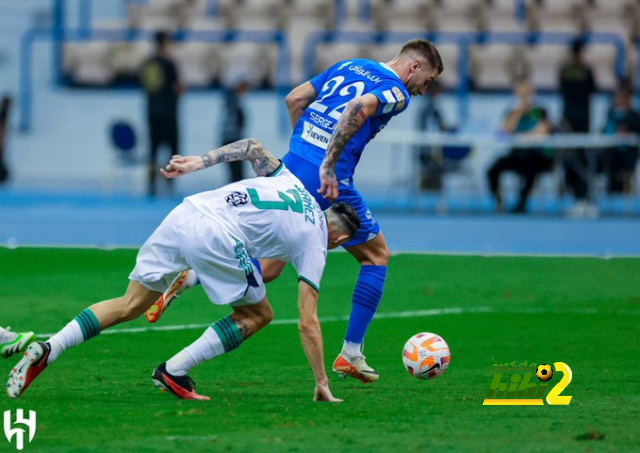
308 327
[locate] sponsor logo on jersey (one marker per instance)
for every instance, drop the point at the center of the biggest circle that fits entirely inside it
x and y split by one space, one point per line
400 98
322 121
315 135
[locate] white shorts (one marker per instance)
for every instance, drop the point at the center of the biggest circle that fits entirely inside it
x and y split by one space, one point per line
187 239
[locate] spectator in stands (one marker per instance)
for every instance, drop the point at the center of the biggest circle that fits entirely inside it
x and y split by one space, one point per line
620 162
161 83
525 118
233 122
617 163
5 107
430 119
577 85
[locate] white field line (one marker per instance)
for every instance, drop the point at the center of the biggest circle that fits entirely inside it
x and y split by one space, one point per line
390 315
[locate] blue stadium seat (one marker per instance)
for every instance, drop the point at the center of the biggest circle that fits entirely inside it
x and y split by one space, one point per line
124 141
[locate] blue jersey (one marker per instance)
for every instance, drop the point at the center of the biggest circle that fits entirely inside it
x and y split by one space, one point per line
337 86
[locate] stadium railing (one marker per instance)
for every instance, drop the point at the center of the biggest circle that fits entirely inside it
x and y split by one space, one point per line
558 144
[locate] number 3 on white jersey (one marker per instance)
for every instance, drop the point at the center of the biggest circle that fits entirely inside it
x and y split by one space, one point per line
353 90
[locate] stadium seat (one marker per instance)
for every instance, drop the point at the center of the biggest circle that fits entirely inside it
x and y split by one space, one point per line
125 58
332 53
125 171
244 60
602 59
546 60
88 63
502 7
299 28
449 54
198 63
499 65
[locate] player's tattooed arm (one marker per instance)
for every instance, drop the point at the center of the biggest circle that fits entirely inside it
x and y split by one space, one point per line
350 122
355 114
249 149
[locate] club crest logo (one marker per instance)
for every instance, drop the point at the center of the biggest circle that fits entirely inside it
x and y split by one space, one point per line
237 198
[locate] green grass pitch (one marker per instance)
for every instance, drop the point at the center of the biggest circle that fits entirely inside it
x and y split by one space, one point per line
99 397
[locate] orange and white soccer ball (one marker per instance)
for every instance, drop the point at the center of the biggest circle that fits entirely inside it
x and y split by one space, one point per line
426 355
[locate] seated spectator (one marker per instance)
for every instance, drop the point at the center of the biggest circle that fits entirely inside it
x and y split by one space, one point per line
617 163
525 118
432 162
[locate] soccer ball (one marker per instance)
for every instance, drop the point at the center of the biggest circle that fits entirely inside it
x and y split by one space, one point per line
426 355
544 372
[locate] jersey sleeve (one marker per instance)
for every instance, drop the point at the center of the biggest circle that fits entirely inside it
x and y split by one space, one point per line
319 80
393 98
310 265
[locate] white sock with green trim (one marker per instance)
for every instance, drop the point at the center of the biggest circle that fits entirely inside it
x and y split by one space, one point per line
219 339
84 327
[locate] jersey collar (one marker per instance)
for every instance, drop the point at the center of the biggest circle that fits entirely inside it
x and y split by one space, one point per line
389 68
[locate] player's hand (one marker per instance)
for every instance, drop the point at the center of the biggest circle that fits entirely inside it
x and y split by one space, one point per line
322 393
179 166
328 183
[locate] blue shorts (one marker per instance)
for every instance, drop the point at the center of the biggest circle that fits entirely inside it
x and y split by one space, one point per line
308 173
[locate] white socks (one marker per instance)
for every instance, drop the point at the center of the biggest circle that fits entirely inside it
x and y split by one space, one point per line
352 350
69 336
204 348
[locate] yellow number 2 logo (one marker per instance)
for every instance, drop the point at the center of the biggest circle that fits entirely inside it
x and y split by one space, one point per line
554 395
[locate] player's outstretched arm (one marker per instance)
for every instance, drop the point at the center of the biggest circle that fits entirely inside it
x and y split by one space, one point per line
311 338
298 100
355 114
249 149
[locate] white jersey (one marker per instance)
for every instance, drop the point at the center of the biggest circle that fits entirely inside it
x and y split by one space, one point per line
274 217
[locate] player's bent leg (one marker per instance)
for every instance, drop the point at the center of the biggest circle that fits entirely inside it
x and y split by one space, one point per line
135 301
84 327
270 269
373 257
222 337
184 281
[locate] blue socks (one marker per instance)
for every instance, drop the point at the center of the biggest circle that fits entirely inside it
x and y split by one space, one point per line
366 298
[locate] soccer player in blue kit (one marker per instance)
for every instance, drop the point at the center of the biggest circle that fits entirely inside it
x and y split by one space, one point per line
334 115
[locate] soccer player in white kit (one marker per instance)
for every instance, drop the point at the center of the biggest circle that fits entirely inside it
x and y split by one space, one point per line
217 233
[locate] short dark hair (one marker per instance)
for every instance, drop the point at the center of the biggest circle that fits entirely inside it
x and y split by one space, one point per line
577 46
348 215
161 38
427 49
